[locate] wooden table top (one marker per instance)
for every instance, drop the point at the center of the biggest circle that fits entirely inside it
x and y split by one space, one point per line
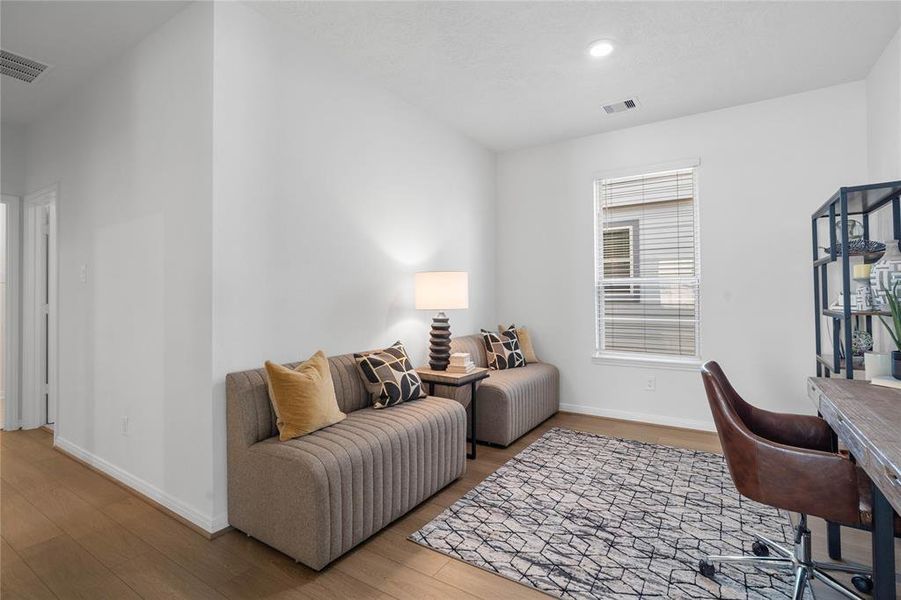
456 379
867 419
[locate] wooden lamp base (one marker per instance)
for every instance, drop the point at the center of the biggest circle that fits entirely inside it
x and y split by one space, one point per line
439 343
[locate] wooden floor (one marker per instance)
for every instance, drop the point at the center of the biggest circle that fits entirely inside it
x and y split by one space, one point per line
68 532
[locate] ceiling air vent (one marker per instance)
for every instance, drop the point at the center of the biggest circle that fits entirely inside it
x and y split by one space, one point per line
623 106
19 67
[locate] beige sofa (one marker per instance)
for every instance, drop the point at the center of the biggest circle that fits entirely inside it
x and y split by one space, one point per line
510 402
317 496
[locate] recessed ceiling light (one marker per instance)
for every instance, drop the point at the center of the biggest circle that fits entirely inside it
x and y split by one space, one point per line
601 48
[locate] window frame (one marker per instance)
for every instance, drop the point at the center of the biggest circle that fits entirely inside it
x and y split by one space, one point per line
641 359
634 259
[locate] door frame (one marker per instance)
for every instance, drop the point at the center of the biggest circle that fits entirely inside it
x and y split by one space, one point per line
35 411
12 402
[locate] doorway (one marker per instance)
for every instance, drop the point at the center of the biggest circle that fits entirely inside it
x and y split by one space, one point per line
9 312
39 312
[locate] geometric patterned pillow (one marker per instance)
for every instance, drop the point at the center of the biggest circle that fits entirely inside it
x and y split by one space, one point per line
503 349
389 376
525 342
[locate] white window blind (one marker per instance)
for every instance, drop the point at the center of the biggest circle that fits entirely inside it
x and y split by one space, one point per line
647 270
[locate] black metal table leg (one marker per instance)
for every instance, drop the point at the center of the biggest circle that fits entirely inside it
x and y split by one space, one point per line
472 421
431 389
833 530
883 547
834 540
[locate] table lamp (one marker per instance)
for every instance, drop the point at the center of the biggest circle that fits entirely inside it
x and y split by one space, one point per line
441 290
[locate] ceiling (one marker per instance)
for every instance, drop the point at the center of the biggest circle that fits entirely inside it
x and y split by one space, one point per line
511 74
507 74
76 38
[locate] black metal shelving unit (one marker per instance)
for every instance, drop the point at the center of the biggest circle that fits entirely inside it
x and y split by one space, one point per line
862 201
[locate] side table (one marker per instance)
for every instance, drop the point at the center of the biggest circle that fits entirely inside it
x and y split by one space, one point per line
457 380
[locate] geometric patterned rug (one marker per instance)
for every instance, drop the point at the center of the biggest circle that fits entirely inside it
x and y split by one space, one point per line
579 515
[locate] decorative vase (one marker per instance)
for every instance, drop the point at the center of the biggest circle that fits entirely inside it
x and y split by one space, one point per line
877 364
861 342
885 273
864 298
896 364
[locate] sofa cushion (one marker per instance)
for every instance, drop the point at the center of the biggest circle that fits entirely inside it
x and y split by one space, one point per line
375 466
303 397
389 376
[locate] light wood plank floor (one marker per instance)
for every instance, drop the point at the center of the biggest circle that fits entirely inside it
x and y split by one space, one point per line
68 532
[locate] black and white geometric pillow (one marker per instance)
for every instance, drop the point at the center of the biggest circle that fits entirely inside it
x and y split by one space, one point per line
503 349
389 376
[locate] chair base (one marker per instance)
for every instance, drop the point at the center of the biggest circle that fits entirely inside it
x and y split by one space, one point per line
800 562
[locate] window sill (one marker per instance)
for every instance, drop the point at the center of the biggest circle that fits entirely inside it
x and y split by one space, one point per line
647 362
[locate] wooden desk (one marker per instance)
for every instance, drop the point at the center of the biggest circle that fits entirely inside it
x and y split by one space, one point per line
867 420
457 380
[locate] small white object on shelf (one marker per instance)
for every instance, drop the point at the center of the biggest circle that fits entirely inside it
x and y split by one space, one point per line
886 381
862 271
877 364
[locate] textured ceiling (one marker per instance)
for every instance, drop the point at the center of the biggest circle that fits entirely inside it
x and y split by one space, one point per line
514 74
75 38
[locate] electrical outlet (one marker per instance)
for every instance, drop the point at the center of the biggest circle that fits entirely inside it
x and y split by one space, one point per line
124 425
84 274
650 384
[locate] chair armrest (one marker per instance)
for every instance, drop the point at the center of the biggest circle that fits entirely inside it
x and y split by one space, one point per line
803 431
812 482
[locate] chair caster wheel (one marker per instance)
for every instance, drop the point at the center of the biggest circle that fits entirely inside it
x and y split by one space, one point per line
760 549
863 584
706 569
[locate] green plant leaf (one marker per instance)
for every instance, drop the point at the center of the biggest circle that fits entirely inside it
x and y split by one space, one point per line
894 305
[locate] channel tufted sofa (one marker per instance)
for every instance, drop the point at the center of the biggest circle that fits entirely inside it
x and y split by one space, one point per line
511 402
317 496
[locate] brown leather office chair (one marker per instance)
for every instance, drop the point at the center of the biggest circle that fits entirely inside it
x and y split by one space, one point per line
786 461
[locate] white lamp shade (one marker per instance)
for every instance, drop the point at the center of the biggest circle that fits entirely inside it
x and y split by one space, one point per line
442 290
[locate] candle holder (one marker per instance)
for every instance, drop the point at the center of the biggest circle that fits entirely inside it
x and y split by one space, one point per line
863 296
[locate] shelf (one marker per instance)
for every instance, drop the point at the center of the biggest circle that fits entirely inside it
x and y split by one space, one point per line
838 314
827 360
844 204
862 199
867 257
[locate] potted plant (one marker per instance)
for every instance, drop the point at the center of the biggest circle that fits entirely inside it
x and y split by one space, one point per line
894 330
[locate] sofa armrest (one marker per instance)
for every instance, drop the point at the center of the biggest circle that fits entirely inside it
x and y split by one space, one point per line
279 494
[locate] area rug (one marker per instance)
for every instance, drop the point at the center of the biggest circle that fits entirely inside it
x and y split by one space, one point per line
578 515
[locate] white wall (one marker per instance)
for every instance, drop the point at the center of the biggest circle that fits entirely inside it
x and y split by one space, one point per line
12 159
883 85
884 114
131 152
329 194
764 168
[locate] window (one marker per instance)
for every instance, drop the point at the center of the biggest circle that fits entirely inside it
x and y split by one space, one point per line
647 271
620 253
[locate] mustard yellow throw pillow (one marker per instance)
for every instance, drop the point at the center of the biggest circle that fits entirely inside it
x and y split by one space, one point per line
304 397
525 342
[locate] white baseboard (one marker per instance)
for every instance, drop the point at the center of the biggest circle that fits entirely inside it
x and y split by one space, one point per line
189 513
626 415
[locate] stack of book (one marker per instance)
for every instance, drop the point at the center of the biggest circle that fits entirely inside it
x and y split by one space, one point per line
460 362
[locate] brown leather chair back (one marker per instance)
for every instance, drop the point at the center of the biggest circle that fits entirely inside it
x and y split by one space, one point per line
730 414
780 459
